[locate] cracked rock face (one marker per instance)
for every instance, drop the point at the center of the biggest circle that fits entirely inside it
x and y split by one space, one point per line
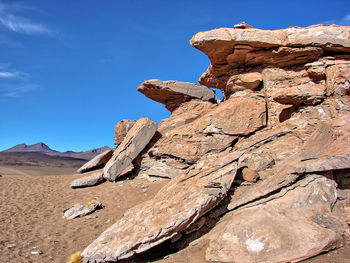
176 207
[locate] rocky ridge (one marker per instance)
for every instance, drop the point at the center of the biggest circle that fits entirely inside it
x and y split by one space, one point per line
272 157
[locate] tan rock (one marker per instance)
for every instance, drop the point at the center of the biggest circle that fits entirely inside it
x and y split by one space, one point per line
242 25
289 87
250 175
338 84
134 142
121 129
186 113
97 162
89 180
329 146
176 207
289 228
172 93
240 82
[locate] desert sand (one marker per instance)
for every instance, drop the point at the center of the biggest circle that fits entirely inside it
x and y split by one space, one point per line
32 202
32 206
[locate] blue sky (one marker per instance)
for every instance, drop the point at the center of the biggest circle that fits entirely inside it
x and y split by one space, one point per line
69 69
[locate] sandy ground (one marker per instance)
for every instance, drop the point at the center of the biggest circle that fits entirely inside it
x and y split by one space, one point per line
32 201
31 213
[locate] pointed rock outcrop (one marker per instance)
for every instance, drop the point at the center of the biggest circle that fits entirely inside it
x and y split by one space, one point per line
134 142
97 162
172 93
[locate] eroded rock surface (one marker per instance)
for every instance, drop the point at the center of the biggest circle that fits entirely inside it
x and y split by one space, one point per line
97 162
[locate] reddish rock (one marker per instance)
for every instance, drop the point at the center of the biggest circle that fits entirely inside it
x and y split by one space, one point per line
240 82
121 129
250 175
232 49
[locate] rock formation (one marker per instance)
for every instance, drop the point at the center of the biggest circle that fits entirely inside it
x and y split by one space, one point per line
271 158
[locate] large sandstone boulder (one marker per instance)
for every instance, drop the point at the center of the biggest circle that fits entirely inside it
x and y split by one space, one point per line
121 129
97 162
176 207
172 93
134 142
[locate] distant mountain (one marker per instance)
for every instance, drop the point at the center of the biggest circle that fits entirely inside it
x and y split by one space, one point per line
39 160
44 149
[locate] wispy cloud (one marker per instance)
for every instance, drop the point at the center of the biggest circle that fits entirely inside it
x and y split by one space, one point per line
14 83
7 75
15 91
344 21
20 24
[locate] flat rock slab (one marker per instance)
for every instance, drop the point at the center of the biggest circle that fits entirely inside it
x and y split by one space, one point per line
89 180
172 93
290 227
79 210
96 162
134 142
176 207
258 38
121 130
